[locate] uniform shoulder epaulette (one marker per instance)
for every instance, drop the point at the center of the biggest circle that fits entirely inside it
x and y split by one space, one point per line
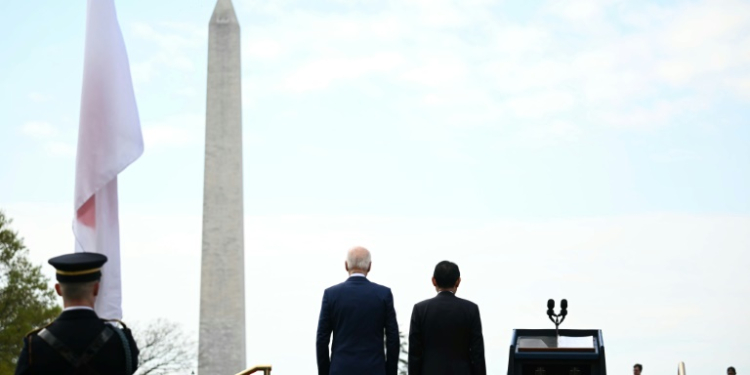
36 330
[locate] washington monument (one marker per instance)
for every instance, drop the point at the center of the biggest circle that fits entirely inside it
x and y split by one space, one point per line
222 314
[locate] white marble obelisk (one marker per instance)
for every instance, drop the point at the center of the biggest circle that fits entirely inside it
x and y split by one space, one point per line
222 314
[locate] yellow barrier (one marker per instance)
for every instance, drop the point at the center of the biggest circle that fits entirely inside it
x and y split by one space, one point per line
265 368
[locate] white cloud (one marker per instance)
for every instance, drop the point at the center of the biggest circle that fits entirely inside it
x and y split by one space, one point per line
444 14
315 35
51 139
321 73
595 73
545 134
741 85
142 72
187 91
438 72
657 114
387 28
58 148
513 40
579 10
175 49
677 72
156 136
173 131
39 129
263 49
170 36
617 72
702 40
674 156
441 14
540 104
700 24
38 97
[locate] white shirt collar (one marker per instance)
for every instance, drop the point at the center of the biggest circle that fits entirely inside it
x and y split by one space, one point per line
357 274
77 308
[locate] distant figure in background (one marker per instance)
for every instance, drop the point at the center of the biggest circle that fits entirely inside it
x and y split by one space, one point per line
731 371
637 369
445 335
78 342
358 312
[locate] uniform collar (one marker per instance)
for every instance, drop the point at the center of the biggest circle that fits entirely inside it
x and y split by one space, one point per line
78 314
71 308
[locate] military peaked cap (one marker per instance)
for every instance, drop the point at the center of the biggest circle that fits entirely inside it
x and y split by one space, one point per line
78 267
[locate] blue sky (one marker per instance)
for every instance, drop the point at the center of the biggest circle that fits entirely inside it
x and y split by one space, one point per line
572 118
362 118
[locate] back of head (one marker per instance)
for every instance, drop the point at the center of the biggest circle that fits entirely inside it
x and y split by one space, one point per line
358 258
78 275
78 291
446 274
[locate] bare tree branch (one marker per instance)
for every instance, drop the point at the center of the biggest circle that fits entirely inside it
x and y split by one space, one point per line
165 348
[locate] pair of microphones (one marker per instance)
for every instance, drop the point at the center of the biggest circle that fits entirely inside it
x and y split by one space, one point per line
557 318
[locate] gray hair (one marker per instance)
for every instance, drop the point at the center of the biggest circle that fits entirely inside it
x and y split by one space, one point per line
358 258
78 291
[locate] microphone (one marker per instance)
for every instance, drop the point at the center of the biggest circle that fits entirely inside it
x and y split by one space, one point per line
557 318
550 307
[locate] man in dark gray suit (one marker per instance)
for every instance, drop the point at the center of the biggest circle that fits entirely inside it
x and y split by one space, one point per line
445 336
358 313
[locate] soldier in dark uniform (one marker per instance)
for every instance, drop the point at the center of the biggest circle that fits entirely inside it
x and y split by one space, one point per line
78 341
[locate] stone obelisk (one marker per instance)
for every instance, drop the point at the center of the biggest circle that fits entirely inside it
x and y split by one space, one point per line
222 313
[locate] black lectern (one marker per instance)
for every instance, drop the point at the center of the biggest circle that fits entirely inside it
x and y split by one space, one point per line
557 351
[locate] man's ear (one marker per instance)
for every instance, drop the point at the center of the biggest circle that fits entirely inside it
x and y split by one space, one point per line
457 282
346 266
369 266
434 282
58 289
96 289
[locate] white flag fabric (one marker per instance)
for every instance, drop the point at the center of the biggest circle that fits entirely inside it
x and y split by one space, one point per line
109 139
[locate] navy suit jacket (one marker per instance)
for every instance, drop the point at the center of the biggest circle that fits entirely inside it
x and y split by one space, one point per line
359 313
445 337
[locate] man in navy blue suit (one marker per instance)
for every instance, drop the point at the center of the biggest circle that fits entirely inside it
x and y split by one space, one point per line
359 313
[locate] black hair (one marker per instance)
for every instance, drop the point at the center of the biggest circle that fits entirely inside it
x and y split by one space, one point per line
446 274
731 368
640 366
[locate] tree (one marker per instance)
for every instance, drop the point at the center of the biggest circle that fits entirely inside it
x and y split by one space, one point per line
164 348
26 299
403 359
